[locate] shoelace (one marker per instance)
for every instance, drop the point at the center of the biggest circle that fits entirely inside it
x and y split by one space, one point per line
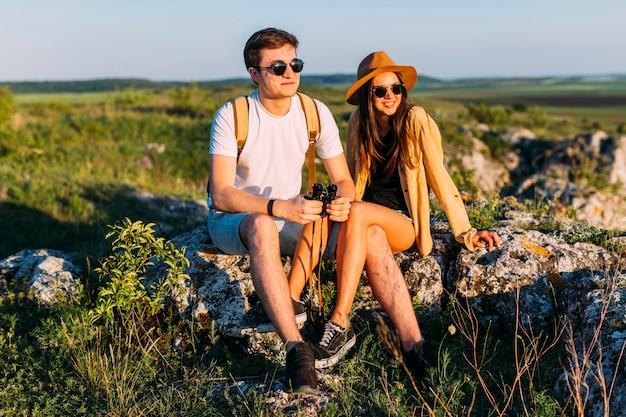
329 332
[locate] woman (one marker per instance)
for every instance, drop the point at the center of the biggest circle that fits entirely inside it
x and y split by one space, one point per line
395 156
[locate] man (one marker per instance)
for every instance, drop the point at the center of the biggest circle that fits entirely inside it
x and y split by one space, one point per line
255 202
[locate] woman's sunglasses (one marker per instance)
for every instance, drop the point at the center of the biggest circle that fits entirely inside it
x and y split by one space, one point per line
381 90
279 67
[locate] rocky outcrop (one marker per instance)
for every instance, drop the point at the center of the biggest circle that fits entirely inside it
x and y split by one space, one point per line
585 176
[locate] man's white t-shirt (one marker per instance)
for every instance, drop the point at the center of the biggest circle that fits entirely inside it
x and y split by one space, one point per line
270 164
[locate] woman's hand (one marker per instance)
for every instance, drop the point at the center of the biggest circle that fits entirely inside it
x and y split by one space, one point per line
486 238
338 209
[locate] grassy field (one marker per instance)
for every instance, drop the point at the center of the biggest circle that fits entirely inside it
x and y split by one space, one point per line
72 164
30 99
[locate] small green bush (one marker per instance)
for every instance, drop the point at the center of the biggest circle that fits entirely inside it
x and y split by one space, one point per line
135 248
7 105
497 116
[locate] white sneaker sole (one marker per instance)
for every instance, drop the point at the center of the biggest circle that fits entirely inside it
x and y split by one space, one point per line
269 327
332 360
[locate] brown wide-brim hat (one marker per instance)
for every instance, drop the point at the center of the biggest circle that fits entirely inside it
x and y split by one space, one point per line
377 63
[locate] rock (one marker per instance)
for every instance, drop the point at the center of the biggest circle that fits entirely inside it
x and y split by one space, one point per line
535 280
597 208
488 175
49 276
585 159
617 170
525 277
515 136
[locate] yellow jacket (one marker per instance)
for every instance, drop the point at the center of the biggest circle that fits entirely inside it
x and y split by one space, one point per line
430 172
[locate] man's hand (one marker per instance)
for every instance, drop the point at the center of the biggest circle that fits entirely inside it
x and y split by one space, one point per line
338 209
298 209
485 238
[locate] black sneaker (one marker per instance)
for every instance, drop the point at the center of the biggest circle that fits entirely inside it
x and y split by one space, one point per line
336 341
419 360
266 325
300 373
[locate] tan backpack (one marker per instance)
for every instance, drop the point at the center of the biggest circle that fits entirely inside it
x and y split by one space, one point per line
240 109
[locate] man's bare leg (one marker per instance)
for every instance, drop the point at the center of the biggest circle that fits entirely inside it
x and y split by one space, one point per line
389 287
259 234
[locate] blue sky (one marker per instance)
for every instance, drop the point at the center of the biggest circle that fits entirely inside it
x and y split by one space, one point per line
198 40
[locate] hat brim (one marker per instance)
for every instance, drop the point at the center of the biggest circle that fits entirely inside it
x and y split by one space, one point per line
408 73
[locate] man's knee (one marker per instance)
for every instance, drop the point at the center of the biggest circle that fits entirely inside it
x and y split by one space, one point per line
257 227
378 254
376 236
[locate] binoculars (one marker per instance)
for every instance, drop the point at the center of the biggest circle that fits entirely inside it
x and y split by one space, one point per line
324 195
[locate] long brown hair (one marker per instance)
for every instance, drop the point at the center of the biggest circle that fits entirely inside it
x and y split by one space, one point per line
369 140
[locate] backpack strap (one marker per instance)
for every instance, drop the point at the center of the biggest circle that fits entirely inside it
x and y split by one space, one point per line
240 110
312 117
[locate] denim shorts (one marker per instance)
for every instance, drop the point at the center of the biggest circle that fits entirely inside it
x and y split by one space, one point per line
224 231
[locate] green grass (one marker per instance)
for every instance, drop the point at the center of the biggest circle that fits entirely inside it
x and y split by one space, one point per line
70 98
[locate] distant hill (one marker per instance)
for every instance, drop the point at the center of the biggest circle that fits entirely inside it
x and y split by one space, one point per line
113 84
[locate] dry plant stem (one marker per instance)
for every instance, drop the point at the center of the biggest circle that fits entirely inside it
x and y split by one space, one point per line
245 403
610 393
527 361
526 356
446 405
576 375
153 342
471 333
385 385
516 356
394 346
578 370
392 343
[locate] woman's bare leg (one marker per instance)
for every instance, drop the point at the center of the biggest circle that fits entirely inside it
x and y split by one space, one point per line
353 247
313 239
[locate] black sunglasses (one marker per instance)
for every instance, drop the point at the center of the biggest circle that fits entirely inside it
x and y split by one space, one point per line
381 91
279 67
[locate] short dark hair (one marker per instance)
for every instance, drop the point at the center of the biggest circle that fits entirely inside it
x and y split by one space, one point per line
270 38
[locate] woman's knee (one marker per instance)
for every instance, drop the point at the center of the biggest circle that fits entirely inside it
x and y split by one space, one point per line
359 213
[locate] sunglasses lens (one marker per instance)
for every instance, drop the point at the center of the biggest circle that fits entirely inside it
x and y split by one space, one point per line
380 92
279 67
297 65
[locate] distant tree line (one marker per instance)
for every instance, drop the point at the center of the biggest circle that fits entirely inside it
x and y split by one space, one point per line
99 85
114 84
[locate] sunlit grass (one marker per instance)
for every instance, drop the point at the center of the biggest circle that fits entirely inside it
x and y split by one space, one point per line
70 98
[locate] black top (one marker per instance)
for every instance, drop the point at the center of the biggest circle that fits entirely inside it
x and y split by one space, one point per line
385 190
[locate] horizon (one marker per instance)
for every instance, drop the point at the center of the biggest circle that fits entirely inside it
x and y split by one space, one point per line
436 79
70 40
